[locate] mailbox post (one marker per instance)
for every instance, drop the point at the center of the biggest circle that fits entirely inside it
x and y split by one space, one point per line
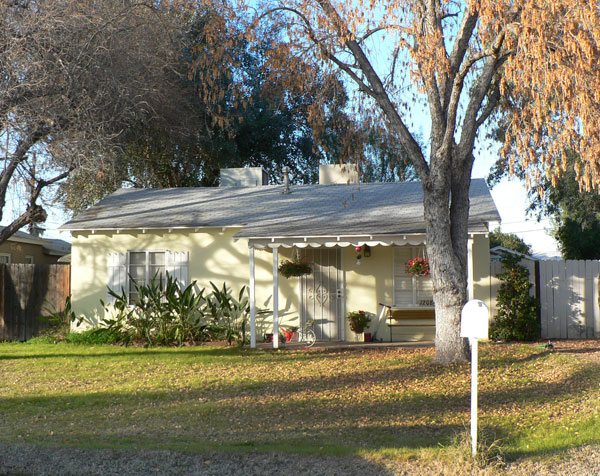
474 325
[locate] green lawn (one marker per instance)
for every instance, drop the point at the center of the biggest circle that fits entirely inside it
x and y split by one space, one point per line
378 402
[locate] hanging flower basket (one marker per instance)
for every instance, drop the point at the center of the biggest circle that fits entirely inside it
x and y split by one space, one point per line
418 267
298 266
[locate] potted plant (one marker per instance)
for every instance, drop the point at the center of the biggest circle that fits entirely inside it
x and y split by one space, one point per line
359 320
418 267
297 266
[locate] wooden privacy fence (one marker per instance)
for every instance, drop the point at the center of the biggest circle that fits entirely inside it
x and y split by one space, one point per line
568 294
26 291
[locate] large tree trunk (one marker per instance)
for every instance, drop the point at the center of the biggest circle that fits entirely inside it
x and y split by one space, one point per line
446 220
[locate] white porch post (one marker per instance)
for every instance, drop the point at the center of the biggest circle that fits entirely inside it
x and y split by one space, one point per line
275 298
470 267
252 301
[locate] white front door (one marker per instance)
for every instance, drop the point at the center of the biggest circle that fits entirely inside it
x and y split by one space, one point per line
321 293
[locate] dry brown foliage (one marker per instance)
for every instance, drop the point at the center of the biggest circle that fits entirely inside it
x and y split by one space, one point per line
462 56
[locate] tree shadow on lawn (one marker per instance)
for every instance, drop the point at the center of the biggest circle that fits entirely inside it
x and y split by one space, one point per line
399 375
114 420
583 350
236 412
495 355
324 353
497 361
404 376
372 437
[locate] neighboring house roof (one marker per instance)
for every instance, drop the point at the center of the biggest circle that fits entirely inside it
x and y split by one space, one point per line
500 251
263 211
51 246
57 247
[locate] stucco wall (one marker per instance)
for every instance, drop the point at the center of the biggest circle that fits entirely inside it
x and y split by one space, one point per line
368 284
18 251
215 256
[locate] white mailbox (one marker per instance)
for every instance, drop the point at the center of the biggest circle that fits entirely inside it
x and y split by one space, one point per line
474 320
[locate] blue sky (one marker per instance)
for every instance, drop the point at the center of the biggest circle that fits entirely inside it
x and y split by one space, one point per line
510 197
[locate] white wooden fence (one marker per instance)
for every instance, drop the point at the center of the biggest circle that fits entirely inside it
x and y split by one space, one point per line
568 293
569 299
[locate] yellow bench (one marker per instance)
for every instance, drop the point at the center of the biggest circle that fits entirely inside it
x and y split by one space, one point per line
414 324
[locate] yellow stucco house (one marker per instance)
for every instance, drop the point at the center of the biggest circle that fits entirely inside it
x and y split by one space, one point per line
240 232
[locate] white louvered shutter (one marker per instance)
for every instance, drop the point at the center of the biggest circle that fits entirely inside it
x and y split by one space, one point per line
424 291
176 264
117 274
403 287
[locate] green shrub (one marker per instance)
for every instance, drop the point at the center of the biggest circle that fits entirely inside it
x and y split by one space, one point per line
100 335
228 315
168 316
517 316
172 316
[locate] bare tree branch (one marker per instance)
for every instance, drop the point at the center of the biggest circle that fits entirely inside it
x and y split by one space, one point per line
461 44
76 77
379 93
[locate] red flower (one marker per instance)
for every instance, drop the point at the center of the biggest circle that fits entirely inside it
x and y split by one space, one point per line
418 267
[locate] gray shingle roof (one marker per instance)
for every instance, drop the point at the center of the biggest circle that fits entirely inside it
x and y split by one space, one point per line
310 210
52 246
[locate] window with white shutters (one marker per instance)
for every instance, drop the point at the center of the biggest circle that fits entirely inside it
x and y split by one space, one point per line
141 267
410 291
